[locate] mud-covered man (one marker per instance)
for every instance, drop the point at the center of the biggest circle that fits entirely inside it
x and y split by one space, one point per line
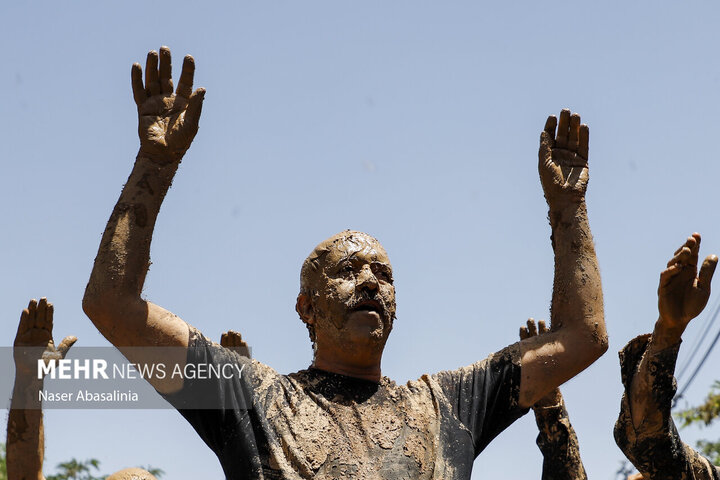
341 417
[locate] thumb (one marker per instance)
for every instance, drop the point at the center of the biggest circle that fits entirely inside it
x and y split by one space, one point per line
65 345
546 143
706 272
194 108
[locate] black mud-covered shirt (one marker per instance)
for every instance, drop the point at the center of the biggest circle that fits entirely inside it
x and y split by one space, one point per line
316 424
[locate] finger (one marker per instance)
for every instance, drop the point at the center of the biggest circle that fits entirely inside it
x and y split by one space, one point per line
706 272
563 130
194 108
531 327
152 80
524 333
669 273
550 125
166 85
185 84
694 250
32 310
688 243
41 317
584 141
137 85
542 327
696 236
574 133
236 338
24 325
681 258
50 313
65 345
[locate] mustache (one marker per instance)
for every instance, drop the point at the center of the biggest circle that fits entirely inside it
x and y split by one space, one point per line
371 302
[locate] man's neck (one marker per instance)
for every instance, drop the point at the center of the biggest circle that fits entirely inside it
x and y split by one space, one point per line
365 372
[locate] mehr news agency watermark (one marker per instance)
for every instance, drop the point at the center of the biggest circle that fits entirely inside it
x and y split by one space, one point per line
101 377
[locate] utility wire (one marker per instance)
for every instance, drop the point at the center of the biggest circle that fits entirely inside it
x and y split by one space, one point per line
702 361
695 348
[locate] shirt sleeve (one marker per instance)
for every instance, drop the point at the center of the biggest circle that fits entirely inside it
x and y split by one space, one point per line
558 443
484 396
219 407
655 447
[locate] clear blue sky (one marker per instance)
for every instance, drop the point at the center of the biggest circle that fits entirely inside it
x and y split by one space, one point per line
417 122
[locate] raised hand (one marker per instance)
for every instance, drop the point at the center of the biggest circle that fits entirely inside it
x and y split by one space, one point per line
34 338
167 121
554 397
233 340
563 159
683 293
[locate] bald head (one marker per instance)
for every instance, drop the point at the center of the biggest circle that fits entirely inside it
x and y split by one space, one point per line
341 272
335 249
132 474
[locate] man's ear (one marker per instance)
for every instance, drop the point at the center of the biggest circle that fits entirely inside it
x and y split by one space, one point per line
303 306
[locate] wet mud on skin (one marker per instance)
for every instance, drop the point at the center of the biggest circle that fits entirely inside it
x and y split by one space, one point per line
655 447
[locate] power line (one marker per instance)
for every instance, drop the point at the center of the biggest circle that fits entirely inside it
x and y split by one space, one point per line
695 348
702 361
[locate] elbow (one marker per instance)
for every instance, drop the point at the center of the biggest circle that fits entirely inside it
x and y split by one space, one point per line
94 302
105 307
598 342
588 341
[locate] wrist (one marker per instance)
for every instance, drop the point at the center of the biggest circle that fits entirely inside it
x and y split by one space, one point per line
160 159
566 208
25 378
26 392
665 335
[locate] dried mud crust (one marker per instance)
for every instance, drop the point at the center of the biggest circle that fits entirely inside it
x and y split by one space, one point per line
331 425
316 424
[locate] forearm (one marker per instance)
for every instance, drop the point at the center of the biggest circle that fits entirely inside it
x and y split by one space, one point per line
645 430
577 301
123 258
651 388
25 436
558 442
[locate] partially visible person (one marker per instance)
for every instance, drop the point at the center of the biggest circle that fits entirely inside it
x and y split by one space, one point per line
233 340
557 439
25 432
645 430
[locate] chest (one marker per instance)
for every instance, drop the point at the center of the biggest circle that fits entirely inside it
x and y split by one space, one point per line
390 434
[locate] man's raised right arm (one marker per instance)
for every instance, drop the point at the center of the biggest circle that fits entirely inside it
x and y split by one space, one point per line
168 123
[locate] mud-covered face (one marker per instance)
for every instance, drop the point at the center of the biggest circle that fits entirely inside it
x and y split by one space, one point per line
354 295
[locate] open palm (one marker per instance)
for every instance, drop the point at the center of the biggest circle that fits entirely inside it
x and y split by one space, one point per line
683 293
34 340
563 159
167 121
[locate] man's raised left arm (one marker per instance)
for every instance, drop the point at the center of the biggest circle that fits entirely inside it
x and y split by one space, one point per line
578 336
